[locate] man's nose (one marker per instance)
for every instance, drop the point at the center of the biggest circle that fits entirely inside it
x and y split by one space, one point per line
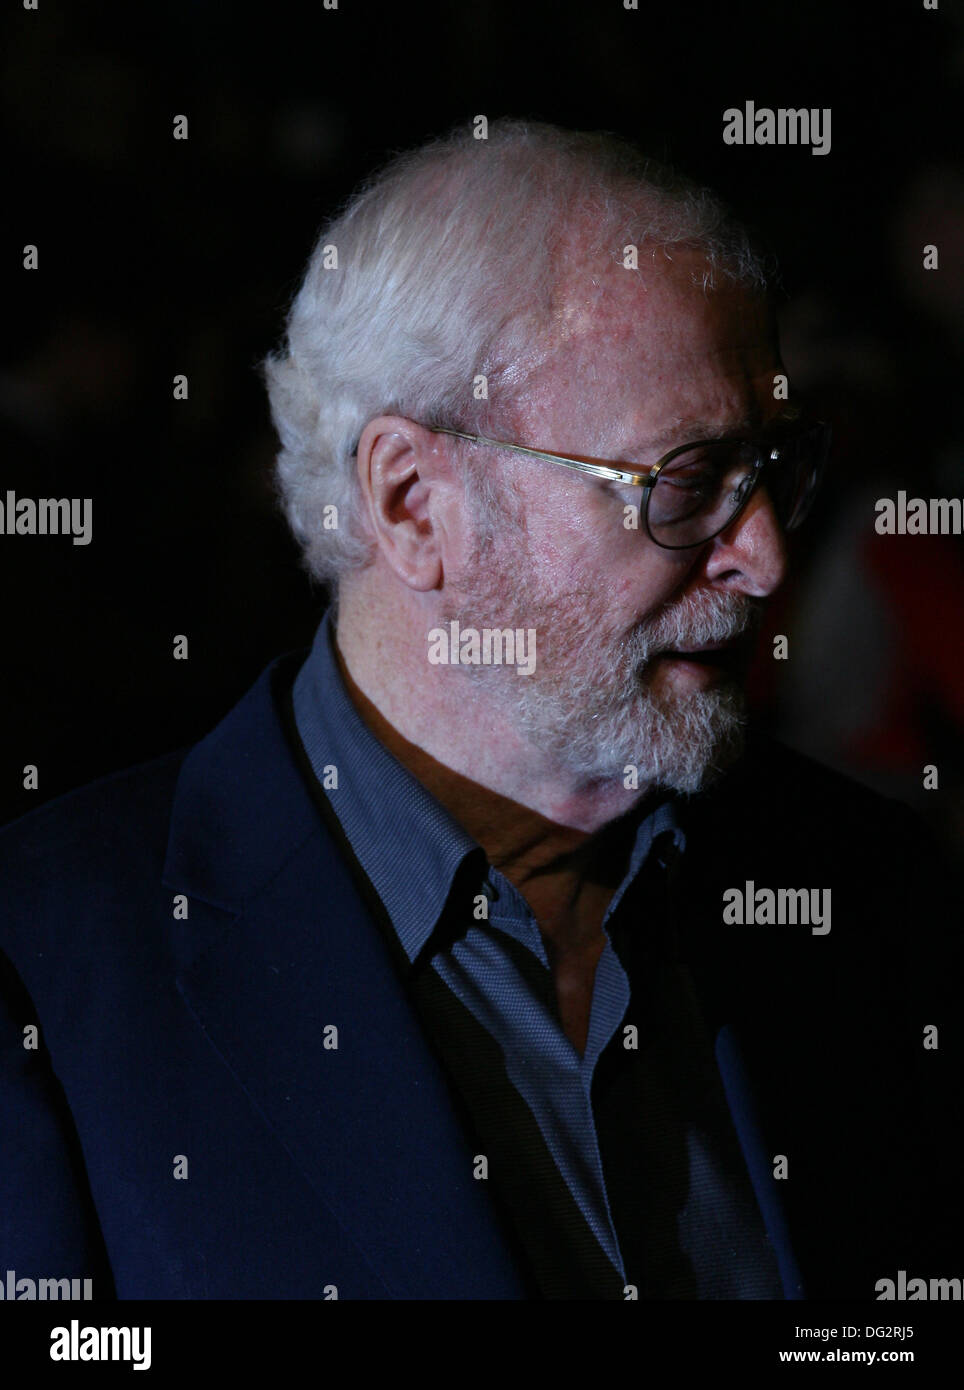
750 556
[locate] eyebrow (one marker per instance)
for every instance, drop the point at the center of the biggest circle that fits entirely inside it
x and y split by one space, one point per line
688 430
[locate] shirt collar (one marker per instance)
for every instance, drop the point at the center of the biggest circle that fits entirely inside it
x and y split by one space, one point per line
408 844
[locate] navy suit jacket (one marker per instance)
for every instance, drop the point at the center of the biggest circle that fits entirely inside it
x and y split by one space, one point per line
312 1168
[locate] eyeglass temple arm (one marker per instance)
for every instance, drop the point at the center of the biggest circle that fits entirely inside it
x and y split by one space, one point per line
596 470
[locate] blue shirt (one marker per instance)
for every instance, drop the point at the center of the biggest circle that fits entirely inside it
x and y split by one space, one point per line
413 852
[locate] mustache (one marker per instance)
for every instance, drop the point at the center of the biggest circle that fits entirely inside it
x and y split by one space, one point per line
694 621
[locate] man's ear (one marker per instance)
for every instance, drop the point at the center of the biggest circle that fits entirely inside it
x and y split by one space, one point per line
407 486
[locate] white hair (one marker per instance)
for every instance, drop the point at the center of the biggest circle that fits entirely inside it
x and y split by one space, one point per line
447 260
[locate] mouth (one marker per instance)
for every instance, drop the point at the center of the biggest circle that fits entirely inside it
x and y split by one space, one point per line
703 666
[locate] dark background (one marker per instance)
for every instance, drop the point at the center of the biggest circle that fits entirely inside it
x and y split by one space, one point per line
160 257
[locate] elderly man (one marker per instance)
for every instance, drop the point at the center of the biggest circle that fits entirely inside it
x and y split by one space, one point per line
475 955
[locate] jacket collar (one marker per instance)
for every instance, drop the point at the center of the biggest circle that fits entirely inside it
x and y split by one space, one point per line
241 807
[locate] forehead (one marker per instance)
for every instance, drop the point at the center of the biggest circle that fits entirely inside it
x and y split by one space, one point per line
636 351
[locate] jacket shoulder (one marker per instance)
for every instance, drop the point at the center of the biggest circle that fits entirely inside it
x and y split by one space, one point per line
84 868
780 818
107 824
780 787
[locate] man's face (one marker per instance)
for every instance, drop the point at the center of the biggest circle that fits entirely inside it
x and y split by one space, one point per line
640 363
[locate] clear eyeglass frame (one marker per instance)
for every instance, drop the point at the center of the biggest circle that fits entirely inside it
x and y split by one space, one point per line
792 451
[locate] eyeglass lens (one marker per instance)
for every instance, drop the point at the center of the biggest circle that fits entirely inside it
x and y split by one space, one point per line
699 491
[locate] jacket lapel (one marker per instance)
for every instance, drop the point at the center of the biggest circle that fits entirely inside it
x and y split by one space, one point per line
365 1110
743 1016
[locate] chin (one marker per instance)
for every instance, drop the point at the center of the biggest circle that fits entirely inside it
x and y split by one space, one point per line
693 742
691 782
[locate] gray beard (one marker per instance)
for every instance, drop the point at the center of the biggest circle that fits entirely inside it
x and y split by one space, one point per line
588 706
681 744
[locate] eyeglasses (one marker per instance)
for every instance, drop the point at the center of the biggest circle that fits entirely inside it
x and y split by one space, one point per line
698 490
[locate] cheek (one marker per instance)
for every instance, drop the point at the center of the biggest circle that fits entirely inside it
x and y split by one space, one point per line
641 588
578 545
564 543
637 575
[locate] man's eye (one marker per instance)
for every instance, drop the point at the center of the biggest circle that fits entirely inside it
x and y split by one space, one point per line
690 480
